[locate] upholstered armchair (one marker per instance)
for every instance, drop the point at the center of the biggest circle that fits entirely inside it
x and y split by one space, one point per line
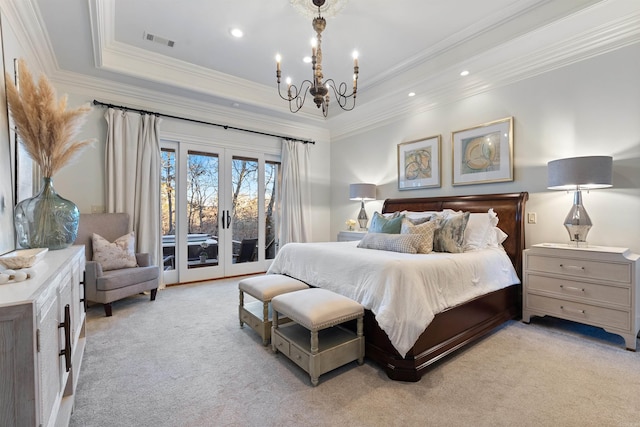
107 286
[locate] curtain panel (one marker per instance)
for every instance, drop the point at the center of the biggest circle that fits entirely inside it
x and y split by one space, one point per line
133 175
295 218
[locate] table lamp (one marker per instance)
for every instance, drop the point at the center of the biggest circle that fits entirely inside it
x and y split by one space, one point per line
362 192
579 173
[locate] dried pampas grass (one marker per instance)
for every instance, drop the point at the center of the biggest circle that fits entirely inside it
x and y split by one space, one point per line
45 127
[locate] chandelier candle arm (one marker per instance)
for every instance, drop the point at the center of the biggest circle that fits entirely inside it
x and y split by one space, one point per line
318 87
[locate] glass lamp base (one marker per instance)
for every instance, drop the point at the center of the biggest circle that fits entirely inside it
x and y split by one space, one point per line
577 221
362 218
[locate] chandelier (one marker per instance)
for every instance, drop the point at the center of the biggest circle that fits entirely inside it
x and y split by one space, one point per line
318 87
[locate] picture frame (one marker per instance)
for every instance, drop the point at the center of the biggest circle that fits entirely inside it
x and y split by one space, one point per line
7 201
483 154
419 163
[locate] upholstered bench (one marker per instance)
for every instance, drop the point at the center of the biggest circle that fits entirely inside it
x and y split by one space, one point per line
315 341
257 314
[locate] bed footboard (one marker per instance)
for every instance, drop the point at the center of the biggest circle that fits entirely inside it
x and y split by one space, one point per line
449 331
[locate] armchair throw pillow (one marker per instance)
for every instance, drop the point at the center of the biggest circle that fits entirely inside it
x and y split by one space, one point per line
116 255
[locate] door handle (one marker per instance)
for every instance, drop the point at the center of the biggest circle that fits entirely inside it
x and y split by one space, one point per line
66 324
226 222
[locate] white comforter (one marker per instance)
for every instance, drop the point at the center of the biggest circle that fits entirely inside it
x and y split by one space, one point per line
404 291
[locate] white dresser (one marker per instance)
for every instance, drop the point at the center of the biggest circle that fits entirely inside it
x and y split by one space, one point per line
347 236
593 285
42 339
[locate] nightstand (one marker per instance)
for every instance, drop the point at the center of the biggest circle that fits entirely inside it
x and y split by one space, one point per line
347 236
593 285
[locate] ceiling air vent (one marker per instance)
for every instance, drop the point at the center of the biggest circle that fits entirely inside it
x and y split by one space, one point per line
157 39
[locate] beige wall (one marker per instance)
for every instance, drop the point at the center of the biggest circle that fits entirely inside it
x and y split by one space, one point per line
588 108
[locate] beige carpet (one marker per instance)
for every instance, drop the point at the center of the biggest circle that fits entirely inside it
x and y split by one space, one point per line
183 361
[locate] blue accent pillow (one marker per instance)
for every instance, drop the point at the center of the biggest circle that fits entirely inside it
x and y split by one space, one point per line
380 224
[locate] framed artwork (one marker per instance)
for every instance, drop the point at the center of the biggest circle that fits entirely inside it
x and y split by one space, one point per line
419 163
483 154
27 173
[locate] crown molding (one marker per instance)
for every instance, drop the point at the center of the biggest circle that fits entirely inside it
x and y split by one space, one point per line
477 29
25 20
161 102
594 31
129 60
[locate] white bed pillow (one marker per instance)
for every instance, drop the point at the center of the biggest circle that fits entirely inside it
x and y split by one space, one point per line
478 232
391 215
420 215
496 237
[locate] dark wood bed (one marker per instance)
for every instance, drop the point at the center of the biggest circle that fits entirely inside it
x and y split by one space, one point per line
465 323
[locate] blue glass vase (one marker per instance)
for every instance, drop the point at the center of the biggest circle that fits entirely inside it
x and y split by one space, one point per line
46 220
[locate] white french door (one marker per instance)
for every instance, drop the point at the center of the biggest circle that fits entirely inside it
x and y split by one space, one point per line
219 211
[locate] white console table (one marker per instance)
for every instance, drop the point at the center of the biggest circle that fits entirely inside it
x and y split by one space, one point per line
42 332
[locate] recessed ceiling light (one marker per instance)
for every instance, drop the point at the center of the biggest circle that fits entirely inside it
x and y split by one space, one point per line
236 32
307 60
464 73
412 94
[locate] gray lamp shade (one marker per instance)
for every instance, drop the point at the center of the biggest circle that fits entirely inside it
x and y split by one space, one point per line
362 191
580 173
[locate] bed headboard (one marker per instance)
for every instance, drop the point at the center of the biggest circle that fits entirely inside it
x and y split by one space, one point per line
509 207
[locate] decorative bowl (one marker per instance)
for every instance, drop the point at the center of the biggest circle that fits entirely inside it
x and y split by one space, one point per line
23 258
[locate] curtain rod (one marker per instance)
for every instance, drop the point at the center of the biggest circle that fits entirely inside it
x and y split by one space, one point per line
104 104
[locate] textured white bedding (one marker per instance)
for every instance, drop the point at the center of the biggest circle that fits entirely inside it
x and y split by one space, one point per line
404 291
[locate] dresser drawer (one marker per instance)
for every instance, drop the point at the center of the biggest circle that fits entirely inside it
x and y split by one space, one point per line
280 343
250 319
583 313
611 272
563 287
300 357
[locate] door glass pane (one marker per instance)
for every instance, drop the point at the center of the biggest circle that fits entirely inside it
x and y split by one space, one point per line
244 209
202 209
168 207
271 203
